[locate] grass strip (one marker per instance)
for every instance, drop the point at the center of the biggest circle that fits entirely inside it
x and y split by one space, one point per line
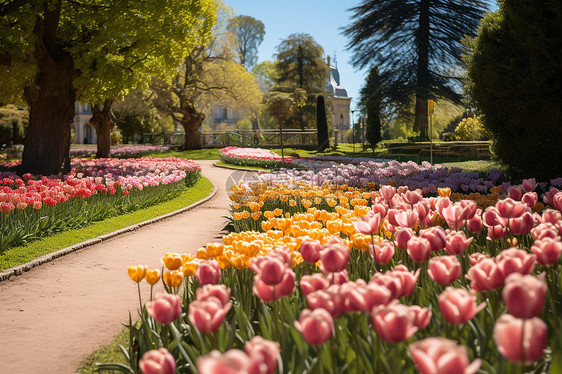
109 353
240 167
21 255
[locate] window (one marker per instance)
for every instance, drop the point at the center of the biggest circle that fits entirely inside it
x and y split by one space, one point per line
225 113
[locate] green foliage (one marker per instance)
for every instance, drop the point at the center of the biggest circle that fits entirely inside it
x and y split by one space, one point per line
300 63
280 106
13 123
322 124
266 75
515 79
371 98
248 35
471 129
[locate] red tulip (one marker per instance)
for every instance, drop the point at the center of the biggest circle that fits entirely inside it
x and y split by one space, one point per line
436 236
207 315
216 290
402 235
515 260
208 272
520 340
334 256
382 253
524 295
314 282
164 308
441 356
316 326
547 250
157 362
444 269
457 305
393 323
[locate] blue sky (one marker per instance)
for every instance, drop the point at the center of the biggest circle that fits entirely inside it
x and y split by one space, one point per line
323 19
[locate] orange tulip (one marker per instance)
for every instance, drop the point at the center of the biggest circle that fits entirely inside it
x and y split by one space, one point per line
189 269
173 278
214 249
444 192
152 276
137 273
172 261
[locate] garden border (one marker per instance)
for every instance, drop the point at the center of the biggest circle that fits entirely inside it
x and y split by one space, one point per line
241 168
20 269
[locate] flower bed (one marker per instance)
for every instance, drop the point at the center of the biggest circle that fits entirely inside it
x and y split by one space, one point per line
333 278
121 151
256 157
33 208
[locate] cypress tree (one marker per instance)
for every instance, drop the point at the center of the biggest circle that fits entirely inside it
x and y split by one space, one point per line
322 124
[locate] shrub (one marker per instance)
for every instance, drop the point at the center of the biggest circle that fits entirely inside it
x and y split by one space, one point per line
471 129
13 123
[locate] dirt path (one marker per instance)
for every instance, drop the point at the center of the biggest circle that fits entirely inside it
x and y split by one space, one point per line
55 315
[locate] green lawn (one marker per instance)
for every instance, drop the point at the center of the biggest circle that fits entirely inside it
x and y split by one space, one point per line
21 255
108 354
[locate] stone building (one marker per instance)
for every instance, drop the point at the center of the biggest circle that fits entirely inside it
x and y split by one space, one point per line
84 133
340 102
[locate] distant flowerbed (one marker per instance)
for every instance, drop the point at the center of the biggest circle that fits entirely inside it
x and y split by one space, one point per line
121 151
31 208
253 157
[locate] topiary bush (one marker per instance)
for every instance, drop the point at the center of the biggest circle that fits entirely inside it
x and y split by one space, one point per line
515 77
13 123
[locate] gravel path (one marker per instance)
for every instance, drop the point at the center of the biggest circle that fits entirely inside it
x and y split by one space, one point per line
55 315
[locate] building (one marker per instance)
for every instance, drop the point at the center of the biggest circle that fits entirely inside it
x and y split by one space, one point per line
340 102
84 133
222 115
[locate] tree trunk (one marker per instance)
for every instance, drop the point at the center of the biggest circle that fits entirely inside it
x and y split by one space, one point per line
51 99
51 102
191 124
423 77
103 121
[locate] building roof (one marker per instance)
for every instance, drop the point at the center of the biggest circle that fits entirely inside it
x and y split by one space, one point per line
333 83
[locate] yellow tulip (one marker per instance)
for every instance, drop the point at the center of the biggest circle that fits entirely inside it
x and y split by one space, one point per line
256 215
444 192
202 253
245 214
189 269
237 216
334 227
173 278
172 261
278 211
152 276
214 249
137 273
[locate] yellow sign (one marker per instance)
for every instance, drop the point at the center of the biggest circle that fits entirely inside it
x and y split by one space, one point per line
430 107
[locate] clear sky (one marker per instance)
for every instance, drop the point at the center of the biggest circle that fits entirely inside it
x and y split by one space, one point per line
322 19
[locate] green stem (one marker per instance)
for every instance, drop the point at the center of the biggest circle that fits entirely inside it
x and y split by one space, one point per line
140 298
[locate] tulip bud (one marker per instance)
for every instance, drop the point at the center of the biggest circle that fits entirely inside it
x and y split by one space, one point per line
316 326
520 340
209 272
164 308
157 362
524 295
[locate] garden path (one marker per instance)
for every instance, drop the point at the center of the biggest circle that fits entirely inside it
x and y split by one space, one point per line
55 315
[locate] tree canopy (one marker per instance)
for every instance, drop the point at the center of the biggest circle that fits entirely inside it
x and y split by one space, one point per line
248 34
416 45
54 52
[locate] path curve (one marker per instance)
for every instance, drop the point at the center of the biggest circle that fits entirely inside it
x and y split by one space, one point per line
55 315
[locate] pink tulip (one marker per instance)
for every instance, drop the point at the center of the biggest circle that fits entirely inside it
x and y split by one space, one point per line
492 217
530 199
515 193
441 356
444 269
529 184
269 293
524 295
412 197
314 282
388 281
208 272
331 299
233 361
272 271
402 235
215 290
207 315
334 256
375 295
340 277
420 316
157 362
457 242
454 214
514 260
557 201
474 224
382 253
476 257
545 230
387 192
485 275
407 278
520 340
368 224
436 236
509 208
164 308
521 225
551 215
393 323
262 351
316 326
547 250
419 249
457 305
310 251
496 232
391 217
407 218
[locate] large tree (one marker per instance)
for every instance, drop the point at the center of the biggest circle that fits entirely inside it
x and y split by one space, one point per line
248 34
208 75
300 64
416 46
54 52
515 74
